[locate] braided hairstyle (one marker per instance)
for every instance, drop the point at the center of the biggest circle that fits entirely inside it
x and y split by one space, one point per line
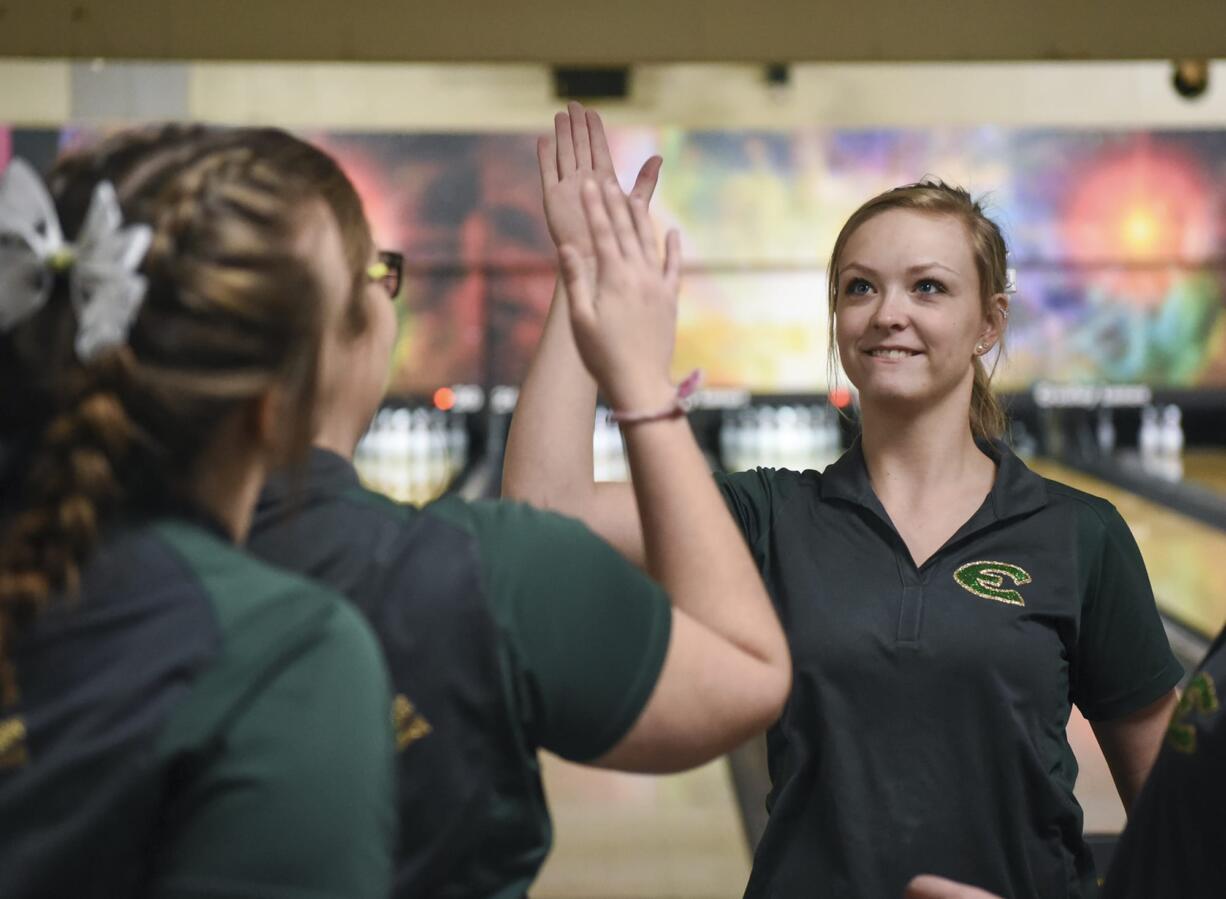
230 313
332 185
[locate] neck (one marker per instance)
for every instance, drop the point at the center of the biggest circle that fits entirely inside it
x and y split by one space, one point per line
919 450
338 432
342 441
227 485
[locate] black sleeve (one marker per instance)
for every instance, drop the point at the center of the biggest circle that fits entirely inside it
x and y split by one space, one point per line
1124 661
749 496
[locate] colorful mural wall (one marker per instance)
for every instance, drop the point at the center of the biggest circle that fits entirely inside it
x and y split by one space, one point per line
1118 240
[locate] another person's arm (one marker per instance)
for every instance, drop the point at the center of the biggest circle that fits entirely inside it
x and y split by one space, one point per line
600 669
549 448
727 672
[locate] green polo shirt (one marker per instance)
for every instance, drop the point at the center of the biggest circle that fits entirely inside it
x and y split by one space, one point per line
506 630
925 732
196 724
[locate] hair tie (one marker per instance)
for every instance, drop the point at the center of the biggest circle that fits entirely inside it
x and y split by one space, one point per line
105 287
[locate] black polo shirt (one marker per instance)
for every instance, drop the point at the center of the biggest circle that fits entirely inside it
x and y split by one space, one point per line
1173 845
505 630
173 723
925 731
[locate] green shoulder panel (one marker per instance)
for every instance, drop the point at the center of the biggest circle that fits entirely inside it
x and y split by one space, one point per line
264 615
290 727
585 630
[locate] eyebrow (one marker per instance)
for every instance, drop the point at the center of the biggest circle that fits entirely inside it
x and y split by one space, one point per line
923 266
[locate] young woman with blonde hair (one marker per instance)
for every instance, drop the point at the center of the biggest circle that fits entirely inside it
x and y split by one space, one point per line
944 605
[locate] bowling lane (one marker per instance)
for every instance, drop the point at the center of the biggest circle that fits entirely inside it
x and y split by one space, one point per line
1182 555
1206 468
631 836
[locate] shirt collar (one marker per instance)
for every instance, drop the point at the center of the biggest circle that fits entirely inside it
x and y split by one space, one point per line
1016 490
324 472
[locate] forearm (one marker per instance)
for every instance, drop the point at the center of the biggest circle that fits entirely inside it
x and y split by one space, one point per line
692 546
549 448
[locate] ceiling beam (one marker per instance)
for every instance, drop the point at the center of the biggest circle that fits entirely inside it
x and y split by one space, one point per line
613 31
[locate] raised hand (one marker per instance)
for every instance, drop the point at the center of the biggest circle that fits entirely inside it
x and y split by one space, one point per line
576 153
623 303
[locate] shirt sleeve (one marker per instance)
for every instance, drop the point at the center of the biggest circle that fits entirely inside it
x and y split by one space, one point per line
749 496
585 632
296 799
1124 661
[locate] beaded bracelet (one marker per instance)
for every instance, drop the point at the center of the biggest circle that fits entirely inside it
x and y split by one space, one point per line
678 407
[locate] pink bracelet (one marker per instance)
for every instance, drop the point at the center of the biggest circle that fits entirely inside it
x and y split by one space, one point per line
678 407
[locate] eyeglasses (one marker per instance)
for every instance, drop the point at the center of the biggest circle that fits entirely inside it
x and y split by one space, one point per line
388 271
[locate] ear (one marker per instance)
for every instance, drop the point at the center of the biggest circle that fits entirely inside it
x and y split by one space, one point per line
263 418
994 322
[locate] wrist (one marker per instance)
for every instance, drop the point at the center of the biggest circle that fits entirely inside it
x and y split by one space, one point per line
642 397
654 400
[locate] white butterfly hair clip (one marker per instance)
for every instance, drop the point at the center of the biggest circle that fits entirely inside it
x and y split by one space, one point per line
101 265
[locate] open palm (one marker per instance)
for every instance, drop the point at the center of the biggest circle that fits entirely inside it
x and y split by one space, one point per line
578 152
623 302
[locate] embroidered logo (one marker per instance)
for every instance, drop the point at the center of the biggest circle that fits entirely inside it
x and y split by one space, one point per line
987 580
13 753
1199 699
409 724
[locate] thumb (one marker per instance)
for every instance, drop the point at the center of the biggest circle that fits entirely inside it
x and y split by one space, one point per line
649 176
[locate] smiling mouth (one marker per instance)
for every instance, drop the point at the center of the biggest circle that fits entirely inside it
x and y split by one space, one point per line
893 354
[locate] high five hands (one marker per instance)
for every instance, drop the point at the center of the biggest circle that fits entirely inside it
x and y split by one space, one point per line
622 292
577 153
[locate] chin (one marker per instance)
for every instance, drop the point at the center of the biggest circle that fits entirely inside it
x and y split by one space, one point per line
896 399
895 392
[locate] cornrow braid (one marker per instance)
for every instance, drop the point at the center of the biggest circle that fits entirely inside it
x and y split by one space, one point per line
231 312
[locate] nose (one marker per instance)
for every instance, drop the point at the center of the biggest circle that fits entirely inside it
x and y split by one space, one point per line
890 313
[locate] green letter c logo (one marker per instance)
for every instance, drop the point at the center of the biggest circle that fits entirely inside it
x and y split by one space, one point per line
987 580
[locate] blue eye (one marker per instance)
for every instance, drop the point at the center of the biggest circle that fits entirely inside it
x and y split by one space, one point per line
929 285
857 287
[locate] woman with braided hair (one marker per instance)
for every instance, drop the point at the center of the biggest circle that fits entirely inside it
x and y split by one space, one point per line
508 630
176 718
